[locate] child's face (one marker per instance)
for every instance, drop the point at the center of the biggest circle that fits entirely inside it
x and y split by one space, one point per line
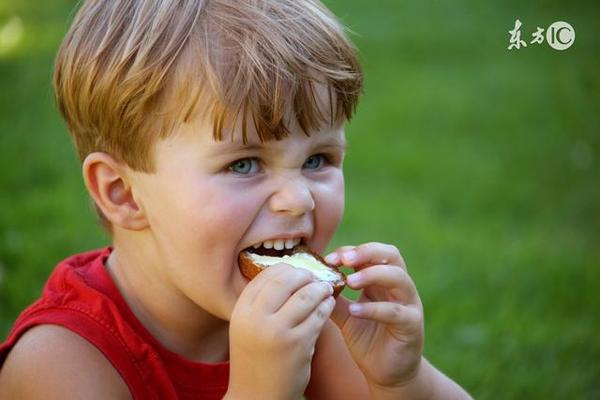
208 200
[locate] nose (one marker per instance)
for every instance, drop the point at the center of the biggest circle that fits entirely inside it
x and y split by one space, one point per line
292 197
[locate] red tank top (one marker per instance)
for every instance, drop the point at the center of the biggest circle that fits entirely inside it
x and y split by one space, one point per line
81 296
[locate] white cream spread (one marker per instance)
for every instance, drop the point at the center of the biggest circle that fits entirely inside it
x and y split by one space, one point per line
300 260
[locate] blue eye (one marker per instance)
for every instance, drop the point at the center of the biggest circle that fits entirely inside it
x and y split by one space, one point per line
314 162
244 166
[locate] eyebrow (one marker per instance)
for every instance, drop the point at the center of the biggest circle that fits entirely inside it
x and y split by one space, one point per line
341 144
236 147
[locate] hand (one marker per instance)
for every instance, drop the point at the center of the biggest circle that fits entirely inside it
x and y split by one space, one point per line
384 328
273 330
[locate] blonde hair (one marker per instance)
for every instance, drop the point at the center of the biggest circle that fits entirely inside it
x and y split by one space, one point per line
128 71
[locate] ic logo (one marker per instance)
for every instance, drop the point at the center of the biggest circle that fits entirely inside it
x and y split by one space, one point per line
560 35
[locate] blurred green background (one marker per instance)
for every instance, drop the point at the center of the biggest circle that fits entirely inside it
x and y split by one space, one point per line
481 164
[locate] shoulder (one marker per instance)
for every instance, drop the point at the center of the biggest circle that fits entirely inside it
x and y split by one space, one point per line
50 361
334 374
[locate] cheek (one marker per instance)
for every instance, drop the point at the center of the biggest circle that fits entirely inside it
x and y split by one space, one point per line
229 213
224 217
203 217
329 212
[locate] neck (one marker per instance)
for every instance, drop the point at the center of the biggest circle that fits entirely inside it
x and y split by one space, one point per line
173 319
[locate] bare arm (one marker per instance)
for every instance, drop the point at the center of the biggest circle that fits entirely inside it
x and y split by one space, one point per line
429 383
334 374
51 362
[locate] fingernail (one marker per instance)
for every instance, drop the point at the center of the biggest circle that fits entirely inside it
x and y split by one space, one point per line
350 256
354 279
332 258
355 308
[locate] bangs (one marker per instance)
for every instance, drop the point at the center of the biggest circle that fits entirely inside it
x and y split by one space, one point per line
261 70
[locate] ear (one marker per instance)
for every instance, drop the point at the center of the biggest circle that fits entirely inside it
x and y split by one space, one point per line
107 182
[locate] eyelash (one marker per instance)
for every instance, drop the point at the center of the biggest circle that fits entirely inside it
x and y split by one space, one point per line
327 160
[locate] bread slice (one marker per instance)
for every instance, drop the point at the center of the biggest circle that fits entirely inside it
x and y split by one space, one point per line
251 264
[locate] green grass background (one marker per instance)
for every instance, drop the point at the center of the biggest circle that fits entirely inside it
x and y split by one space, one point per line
479 163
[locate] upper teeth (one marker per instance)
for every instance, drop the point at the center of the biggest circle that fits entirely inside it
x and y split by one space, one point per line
278 244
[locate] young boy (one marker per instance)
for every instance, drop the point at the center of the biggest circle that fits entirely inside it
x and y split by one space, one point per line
206 128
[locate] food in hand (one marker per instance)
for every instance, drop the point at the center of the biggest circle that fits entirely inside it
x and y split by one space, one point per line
253 261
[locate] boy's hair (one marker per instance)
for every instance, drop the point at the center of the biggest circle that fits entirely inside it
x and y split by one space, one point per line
128 71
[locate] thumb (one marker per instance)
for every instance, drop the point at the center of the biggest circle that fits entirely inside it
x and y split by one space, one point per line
340 312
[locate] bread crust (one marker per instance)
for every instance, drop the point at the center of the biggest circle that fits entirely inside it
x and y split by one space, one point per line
250 269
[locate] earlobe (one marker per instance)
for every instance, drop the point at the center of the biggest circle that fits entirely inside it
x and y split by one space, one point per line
108 184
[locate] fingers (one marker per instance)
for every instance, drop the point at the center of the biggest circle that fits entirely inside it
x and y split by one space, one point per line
335 258
389 295
384 311
304 301
366 254
387 313
400 285
317 318
276 284
382 284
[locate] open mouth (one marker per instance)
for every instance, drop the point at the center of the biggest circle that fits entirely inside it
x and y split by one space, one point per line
277 248
293 252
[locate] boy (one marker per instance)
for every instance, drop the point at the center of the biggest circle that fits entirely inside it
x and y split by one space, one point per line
206 128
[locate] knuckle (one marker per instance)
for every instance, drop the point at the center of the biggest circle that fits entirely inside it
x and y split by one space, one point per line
321 314
278 281
313 292
398 271
363 247
298 273
325 308
265 277
273 269
397 311
387 269
281 268
393 249
323 288
305 297
304 273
